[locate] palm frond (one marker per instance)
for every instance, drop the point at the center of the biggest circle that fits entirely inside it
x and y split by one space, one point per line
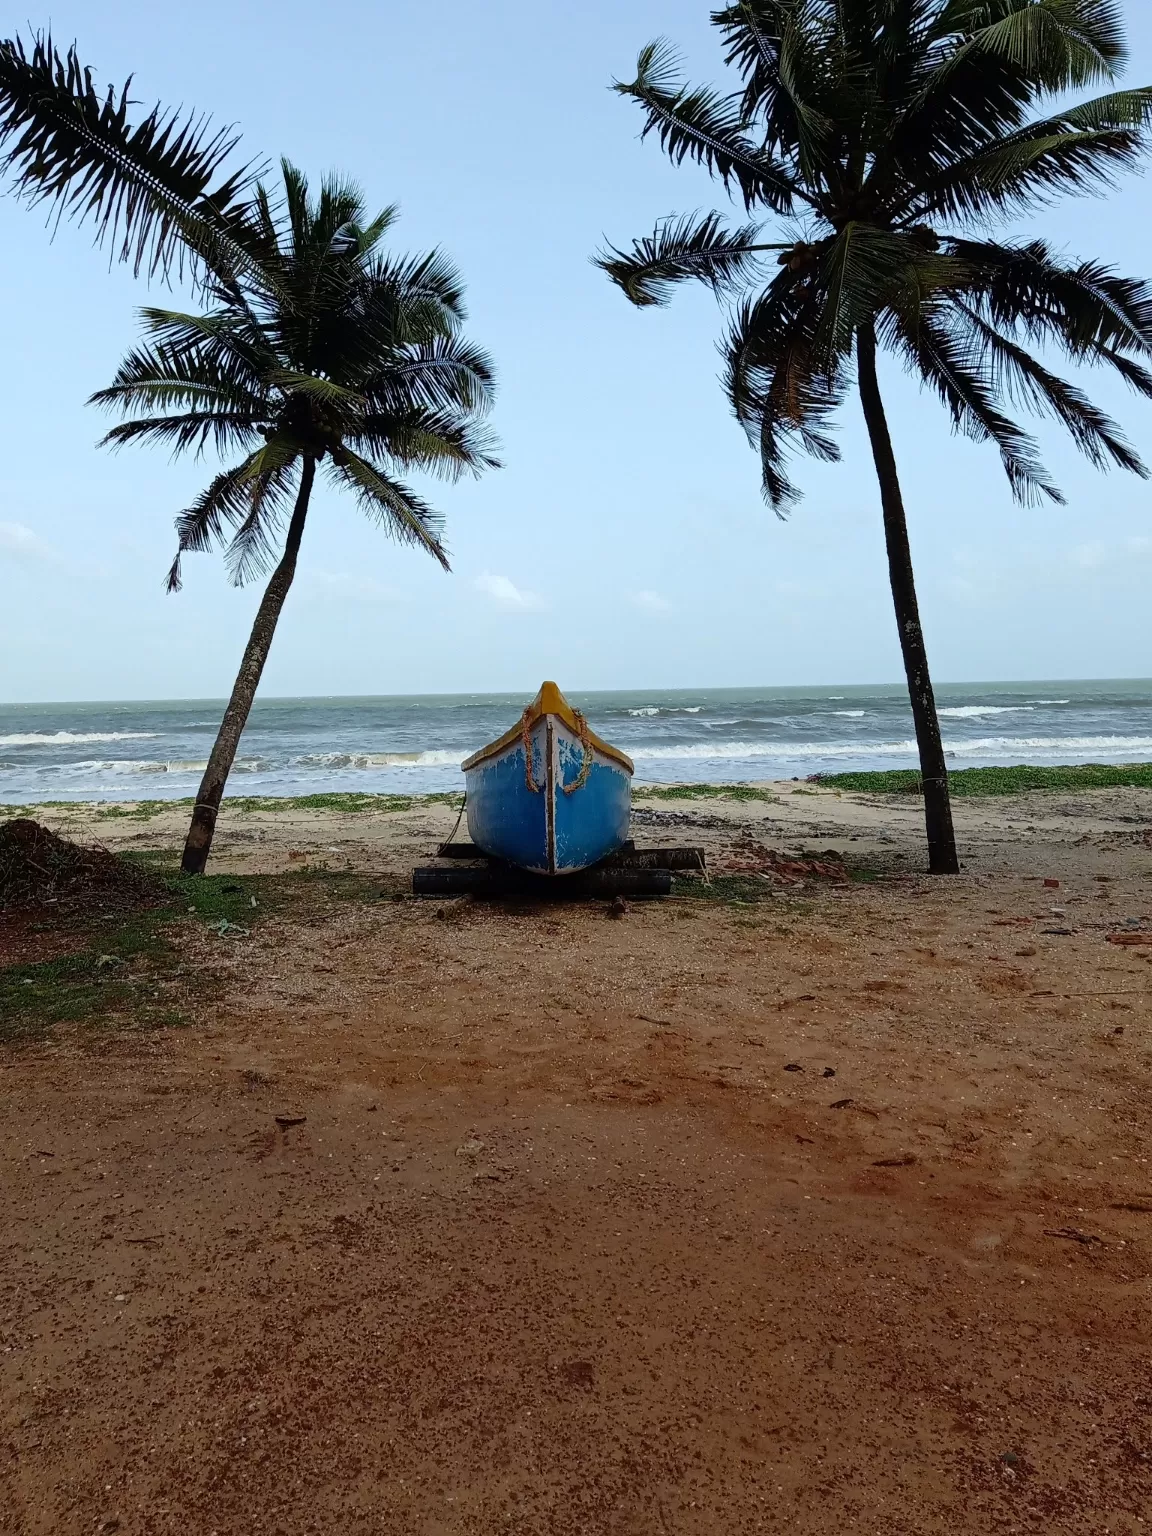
190 431
314 387
955 371
699 125
1030 171
153 377
865 270
780 385
440 441
1017 373
220 505
252 548
1085 308
1059 44
397 508
444 371
696 246
428 286
229 338
152 187
752 32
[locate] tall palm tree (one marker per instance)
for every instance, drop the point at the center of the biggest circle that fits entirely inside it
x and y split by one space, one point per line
865 127
312 348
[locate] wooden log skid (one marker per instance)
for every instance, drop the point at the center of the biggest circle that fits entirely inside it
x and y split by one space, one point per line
629 857
500 881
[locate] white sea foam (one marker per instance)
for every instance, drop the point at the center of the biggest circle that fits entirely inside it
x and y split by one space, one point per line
1049 701
987 746
851 714
973 711
130 765
70 738
1111 746
433 759
656 709
650 709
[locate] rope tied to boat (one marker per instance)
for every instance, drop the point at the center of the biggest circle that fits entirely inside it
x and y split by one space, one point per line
586 765
526 723
526 739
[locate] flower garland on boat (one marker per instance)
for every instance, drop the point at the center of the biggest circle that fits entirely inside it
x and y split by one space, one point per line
526 723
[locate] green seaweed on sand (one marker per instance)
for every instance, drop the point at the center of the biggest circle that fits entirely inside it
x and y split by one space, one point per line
975 782
345 804
342 804
744 792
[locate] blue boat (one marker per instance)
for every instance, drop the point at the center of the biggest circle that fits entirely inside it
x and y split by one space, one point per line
549 796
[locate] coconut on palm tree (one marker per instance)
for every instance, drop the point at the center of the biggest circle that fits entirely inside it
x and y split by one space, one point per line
890 141
311 351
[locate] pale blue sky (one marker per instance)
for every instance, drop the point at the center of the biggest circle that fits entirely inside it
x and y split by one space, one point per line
626 543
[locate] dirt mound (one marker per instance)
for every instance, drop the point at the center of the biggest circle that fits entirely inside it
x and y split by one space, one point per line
39 869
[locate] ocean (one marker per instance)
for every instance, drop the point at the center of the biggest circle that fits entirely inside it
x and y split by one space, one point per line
157 750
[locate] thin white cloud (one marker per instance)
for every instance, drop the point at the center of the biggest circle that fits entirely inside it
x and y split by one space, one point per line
1096 553
505 594
651 602
340 586
1091 556
16 539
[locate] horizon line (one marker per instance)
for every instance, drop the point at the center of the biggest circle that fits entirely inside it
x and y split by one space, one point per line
311 698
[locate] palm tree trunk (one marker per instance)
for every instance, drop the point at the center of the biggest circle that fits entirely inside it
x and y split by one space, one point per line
942 856
200 833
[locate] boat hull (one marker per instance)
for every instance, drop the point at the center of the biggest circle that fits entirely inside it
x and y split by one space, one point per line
546 820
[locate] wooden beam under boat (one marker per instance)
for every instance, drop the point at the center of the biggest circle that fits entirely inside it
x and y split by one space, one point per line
502 881
629 857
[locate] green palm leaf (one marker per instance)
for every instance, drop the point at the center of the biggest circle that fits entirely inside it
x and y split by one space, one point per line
153 187
696 246
403 513
699 125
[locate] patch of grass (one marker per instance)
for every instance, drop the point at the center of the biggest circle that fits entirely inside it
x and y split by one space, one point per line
132 974
733 890
703 792
146 810
346 804
162 861
127 974
973 782
246 804
143 810
111 978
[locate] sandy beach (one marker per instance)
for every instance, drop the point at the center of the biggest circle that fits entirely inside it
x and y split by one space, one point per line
789 1203
998 834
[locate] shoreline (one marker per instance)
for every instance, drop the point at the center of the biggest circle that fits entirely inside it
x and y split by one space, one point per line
1011 779
1001 829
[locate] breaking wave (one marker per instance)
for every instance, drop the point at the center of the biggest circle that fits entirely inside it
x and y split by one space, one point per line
973 711
433 759
71 738
130 765
984 746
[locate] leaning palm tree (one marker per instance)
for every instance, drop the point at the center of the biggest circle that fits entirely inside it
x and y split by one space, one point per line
311 349
890 139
